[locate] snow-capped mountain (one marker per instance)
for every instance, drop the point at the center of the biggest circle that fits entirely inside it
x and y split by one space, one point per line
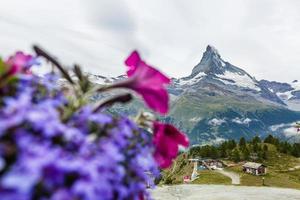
212 69
98 79
287 92
220 101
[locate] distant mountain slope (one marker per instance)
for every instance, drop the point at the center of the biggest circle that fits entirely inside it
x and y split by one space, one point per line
287 92
220 101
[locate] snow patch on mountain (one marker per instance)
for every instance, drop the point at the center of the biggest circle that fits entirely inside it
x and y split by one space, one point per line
289 93
285 95
223 63
195 119
240 80
296 85
293 104
101 80
195 79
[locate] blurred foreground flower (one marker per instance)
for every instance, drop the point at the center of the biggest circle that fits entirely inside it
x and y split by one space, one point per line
166 140
148 82
20 62
56 147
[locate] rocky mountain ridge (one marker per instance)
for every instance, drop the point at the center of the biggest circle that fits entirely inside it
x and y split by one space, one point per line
220 101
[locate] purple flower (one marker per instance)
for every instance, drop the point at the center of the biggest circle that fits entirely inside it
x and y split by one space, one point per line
86 155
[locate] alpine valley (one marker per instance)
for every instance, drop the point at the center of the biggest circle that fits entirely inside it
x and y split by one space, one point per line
220 101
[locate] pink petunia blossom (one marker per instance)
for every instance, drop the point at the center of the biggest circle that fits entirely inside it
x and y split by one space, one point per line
148 82
166 141
19 62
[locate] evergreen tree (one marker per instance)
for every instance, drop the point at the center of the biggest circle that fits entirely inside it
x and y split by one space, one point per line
276 141
231 144
296 150
260 156
265 148
246 149
236 155
223 150
264 155
242 142
269 139
256 140
214 152
284 147
246 154
255 147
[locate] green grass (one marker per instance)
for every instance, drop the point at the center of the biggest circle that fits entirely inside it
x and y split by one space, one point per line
175 173
212 177
272 178
278 174
277 171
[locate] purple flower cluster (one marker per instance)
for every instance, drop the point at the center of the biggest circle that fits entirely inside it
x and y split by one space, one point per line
55 146
86 156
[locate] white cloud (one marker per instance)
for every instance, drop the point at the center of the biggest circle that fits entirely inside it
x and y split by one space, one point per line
216 122
289 132
278 126
242 121
262 36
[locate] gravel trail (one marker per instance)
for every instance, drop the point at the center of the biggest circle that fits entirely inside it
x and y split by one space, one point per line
222 192
235 177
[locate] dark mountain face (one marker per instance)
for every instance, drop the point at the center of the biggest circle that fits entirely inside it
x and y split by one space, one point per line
212 64
289 93
276 86
220 101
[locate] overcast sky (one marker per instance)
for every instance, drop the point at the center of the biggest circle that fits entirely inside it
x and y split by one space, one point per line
260 36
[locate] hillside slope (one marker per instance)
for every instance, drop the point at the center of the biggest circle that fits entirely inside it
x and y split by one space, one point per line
282 171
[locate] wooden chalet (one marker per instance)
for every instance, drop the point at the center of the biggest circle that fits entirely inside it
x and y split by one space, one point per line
254 168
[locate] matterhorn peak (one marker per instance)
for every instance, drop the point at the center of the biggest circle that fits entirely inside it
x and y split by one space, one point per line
211 62
212 50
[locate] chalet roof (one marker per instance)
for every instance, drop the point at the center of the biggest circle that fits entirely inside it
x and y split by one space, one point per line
253 165
193 159
204 159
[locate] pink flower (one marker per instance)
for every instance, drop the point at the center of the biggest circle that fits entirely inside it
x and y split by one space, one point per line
148 82
166 141
19 62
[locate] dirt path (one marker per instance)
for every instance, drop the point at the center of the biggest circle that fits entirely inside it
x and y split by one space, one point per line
235 177
294 168
222 192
